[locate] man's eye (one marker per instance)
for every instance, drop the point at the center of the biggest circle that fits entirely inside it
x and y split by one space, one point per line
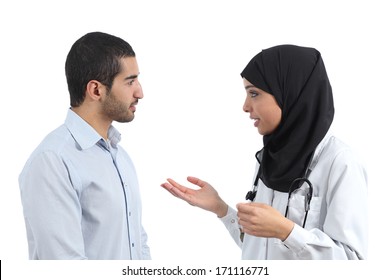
131 82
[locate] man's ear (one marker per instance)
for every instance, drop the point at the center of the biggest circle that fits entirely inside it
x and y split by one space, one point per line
94 90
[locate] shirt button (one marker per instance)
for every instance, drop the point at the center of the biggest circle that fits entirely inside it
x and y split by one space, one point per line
232 221
132 245
129 214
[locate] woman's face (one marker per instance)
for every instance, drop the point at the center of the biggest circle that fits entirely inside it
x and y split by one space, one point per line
262 108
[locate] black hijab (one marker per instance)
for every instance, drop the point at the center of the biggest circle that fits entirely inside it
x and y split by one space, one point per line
297 78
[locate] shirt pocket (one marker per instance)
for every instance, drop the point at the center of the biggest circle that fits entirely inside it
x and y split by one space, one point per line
297 212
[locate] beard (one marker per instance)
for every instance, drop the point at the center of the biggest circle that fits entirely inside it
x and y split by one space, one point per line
117 110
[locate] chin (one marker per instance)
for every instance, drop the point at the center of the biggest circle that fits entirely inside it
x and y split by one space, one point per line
125 119
261 132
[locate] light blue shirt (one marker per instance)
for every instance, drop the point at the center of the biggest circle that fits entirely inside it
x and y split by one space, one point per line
81 198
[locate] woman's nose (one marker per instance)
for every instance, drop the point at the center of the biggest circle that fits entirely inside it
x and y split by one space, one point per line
246 106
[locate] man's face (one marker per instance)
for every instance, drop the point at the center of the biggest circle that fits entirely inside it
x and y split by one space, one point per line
119 104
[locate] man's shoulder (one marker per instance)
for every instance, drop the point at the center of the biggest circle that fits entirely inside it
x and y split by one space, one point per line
52 146
54 141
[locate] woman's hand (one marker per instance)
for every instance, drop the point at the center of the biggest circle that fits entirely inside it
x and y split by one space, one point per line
206 197
262 220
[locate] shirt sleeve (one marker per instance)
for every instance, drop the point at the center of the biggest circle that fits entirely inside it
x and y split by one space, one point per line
345 230
230 220
145 248
51 208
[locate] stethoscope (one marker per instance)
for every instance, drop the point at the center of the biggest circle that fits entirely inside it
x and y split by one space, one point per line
296 185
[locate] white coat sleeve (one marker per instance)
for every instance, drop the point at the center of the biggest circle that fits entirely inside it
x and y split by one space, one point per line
345 230
230 220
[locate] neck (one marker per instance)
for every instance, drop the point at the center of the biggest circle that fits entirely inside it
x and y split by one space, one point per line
94 119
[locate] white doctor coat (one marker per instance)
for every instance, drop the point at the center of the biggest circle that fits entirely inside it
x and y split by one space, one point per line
337 222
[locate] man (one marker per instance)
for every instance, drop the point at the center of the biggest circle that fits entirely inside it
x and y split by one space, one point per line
79 188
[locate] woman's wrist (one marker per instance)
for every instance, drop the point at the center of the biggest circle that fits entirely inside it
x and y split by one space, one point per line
222 210
287 228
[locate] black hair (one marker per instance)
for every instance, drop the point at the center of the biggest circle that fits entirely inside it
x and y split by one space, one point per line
95 56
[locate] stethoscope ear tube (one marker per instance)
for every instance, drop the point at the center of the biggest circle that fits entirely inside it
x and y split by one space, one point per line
307 197
291 188
312 162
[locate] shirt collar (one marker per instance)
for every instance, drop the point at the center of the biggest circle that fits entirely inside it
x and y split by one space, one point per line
114 136
85 135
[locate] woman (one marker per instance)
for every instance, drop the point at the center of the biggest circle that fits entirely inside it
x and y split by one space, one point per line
309 199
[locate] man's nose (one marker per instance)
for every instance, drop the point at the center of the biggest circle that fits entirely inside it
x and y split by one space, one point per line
139 92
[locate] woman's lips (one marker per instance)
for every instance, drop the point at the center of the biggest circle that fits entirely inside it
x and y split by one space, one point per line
256 121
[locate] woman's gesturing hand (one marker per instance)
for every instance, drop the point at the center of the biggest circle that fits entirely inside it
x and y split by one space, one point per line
206 197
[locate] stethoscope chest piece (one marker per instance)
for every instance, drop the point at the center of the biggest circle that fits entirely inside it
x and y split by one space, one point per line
251 195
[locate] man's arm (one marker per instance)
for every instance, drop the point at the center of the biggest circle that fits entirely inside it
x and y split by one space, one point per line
51 209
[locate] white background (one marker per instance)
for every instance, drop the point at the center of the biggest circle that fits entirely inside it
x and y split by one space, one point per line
191 122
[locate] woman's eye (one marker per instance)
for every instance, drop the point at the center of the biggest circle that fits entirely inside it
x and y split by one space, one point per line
253 94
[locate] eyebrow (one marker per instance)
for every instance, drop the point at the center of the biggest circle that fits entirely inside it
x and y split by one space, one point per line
131 77
249 86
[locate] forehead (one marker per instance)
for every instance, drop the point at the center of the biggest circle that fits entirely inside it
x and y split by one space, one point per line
247 84
129 66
